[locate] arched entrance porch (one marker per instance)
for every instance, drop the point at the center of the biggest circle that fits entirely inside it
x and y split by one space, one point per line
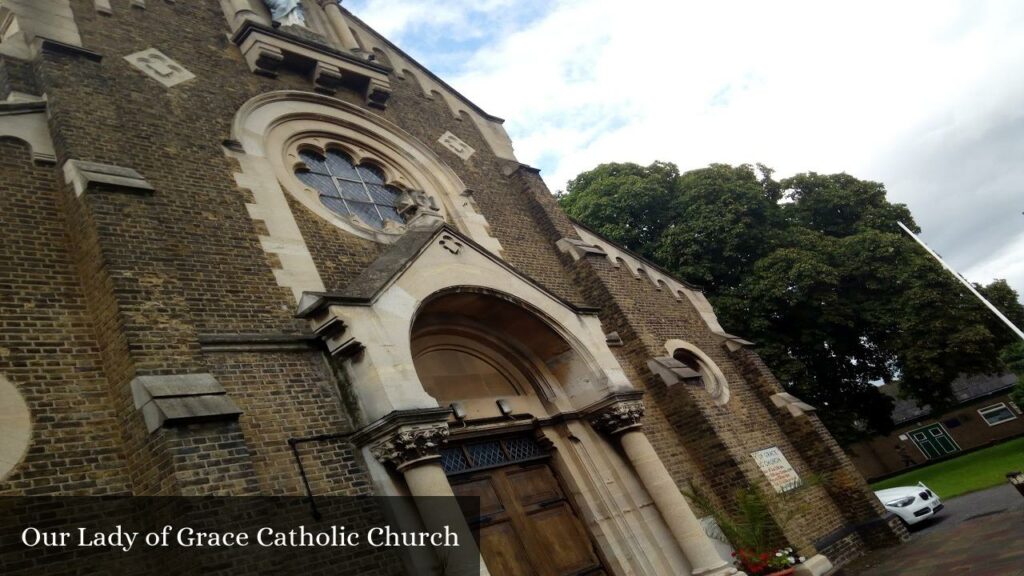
438 321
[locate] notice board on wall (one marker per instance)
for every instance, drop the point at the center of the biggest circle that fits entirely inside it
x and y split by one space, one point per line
777 469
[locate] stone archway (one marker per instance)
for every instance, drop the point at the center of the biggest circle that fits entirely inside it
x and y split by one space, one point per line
474 349
436 292
475 346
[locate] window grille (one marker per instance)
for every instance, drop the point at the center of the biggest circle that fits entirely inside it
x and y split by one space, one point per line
348 189
490 454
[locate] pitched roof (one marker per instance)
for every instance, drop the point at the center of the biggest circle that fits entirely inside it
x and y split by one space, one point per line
398 257
965 388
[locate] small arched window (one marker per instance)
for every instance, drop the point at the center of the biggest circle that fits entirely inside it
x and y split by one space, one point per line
350 190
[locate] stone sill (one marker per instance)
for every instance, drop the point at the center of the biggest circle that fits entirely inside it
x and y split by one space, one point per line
269 50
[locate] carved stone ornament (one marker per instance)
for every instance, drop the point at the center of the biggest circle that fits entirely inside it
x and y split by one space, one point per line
287 12
412 202
407 447
160 67
456 145
618 417
449 243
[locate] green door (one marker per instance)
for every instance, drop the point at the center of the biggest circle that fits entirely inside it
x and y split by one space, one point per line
934 441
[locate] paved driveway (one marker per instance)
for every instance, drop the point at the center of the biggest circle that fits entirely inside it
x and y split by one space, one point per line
1003 498
980 534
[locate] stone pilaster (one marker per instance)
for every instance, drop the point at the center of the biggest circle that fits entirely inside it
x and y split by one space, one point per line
416 453
621 420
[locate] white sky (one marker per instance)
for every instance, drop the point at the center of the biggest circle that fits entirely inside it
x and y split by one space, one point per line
926 97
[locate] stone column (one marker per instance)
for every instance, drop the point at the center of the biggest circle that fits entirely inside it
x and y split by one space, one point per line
622 420
333 10
416 454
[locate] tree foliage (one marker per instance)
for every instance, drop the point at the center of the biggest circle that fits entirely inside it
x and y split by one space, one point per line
814 269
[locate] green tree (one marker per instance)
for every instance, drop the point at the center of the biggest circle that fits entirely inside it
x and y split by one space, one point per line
721 220
630 203
815 270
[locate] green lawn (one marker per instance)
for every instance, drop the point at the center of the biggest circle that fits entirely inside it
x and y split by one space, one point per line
975 471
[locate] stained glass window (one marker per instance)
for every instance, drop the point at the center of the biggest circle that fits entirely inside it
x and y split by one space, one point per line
350 190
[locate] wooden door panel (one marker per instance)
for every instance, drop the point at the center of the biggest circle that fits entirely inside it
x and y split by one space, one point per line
482 488
561 541
503 551
526 526
533 485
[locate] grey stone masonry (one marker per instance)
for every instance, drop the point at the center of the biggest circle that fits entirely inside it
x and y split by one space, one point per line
181 399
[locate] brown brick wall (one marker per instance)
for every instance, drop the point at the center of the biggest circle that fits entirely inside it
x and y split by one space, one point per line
15 76
291 395
840 478
339 257
721 437
46 346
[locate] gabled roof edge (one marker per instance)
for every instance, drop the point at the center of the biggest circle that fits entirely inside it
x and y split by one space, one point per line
686 283
382 273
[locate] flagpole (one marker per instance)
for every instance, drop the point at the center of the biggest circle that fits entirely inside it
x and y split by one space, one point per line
964 282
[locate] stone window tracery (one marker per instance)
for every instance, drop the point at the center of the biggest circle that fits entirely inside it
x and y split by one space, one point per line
273 132
357 184
349 189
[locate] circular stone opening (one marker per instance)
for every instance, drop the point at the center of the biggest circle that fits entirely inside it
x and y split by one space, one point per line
15 427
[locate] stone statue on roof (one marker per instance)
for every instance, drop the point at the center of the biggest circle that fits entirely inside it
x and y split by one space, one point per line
286 12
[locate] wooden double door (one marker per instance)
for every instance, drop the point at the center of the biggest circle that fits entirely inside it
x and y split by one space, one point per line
527 527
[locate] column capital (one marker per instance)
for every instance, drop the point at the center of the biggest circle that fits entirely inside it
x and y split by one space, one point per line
411 446
324 3
618 417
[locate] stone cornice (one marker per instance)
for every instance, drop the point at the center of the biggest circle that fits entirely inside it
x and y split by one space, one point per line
49 46
613 398
257 342
396 420
250 27
267 50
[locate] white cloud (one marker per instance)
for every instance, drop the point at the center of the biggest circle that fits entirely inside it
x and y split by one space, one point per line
923 96
1005 261
396 18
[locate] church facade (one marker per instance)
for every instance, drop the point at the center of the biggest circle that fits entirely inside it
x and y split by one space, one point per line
232 243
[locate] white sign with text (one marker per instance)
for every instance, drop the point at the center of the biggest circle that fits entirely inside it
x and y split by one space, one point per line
778 470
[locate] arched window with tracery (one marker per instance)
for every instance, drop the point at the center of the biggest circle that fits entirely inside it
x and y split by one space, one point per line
348 189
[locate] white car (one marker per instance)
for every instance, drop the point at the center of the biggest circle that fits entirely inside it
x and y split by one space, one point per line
910 503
